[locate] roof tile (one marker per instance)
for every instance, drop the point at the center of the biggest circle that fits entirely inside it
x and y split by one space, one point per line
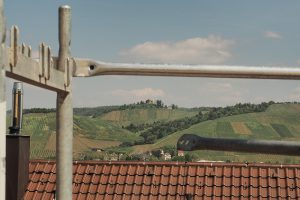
162 180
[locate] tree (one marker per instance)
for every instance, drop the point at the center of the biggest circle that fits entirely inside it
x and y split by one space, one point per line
150 139
212 115
159 104
174 106
189 157
170 149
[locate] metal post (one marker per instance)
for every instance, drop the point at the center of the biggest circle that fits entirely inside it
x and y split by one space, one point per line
17 108
2 105
64 123
86 67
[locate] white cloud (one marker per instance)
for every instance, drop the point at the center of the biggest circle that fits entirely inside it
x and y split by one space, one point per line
272 34
139 94
209 50
219 87
221 93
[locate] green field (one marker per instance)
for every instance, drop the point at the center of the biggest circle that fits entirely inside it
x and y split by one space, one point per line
279 122
88 133
224 128
285 117
147 115
282 130
96 128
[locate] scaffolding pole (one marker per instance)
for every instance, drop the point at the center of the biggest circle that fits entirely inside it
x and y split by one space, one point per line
2 104
64 124
87 68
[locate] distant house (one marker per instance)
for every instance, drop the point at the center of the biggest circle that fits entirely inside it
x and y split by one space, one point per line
180 153
159 153
114 157
167 156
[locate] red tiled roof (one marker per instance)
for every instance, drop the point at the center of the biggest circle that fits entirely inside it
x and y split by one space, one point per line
168 180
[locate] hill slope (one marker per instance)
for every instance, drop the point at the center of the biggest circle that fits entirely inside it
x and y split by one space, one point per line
279 122
91 132
146 115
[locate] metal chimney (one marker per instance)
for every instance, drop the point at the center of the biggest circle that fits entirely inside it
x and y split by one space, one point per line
17 150
190 142
17 108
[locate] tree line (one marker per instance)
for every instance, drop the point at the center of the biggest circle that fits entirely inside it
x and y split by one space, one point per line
100 110
150 133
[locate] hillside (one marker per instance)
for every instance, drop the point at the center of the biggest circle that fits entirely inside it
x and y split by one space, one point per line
106 130
279 122
146 115
91 130
89 133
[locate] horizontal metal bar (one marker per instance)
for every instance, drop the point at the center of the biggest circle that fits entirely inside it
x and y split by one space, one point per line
190 142
85 68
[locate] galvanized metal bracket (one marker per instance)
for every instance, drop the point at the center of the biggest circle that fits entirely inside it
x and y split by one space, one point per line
42 72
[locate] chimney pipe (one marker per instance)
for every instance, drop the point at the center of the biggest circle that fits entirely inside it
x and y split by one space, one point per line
17 151
17 108
190 142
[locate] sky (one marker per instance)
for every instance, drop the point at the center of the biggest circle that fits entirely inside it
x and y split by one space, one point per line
232 32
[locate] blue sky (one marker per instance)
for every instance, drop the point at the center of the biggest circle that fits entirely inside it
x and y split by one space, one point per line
186 32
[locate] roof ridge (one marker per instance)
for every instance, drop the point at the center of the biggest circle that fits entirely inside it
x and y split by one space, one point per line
172 163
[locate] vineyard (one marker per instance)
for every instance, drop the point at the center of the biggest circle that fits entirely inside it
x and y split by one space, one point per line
96 138
279 122
224 128
41 153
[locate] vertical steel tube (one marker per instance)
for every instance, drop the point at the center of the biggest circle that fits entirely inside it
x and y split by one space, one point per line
17 108
64 123
2 105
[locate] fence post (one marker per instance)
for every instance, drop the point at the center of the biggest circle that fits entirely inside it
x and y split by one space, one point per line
64 113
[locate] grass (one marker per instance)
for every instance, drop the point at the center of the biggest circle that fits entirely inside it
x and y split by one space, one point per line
262 131
39 127
95 128
286 118
88 133
82 144
282 130
279 122
240 128
148 115
224 128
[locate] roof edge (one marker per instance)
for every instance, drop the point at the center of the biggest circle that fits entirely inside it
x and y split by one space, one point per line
212 163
